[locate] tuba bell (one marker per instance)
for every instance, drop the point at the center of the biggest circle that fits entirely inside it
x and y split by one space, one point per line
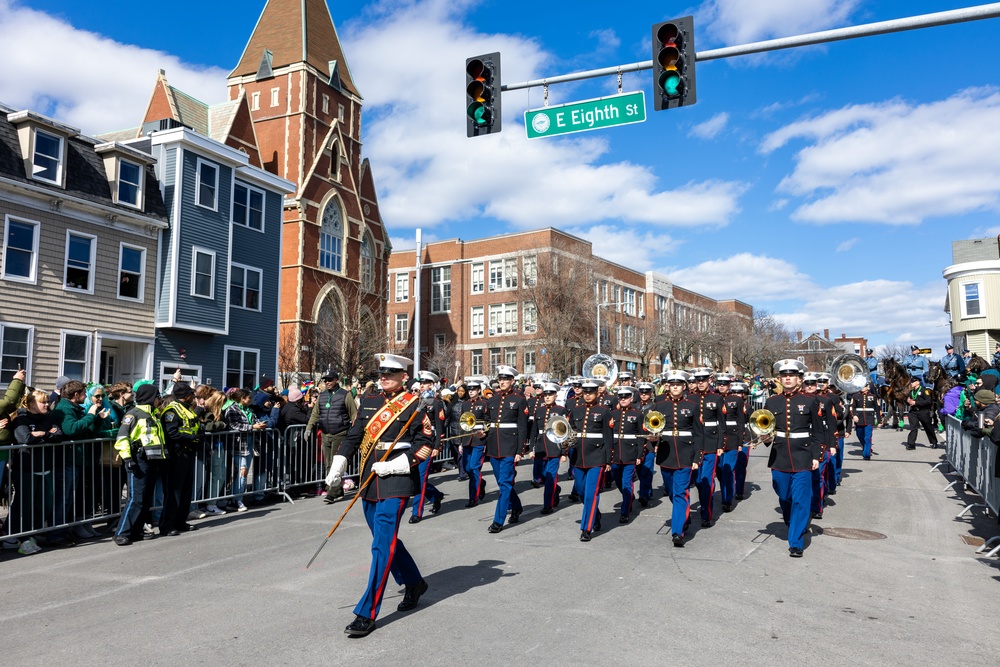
602 368
654 422
559 431
762 423
849 372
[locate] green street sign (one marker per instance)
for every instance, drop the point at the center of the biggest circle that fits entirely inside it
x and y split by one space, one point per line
596 114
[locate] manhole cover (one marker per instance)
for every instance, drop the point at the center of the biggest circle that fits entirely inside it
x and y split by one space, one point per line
853 533
973 541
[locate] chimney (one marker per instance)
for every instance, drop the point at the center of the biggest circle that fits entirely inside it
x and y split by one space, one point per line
799 335
826 334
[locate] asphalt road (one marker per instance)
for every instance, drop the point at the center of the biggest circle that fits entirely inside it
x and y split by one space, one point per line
237 592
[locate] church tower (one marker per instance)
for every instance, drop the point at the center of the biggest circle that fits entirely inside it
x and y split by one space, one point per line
306 112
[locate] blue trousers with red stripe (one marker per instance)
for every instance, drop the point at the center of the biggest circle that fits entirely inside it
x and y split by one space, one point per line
504 471
623 473
389 556
706 485
819 484
793 489
646 471
726 472
677 484
592 481
740 470
832 473
550 477
473 457
427 490
538 469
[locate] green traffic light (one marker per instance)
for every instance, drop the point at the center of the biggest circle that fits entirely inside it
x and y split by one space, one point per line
478 113
670 83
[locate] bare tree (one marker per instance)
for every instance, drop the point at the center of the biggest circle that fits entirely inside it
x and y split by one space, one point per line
442 361
566 305
896 351
651 344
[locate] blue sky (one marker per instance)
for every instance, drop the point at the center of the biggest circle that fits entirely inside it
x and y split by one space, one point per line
824 184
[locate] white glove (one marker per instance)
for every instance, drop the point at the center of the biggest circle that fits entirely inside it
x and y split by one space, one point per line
397 466
334 477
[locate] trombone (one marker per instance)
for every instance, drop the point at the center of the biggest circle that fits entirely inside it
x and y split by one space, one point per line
468 423
762 423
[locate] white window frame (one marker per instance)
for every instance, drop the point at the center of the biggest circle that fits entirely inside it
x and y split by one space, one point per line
478 278
402 289
263 205
142 272
496 275
495 319
337 240
92 263
529 268
242 350
62 352
510 273
440 340
275 97
255 101
366 264
476 362
964 301
439 283
197 185
510 356
167 370
27 360
401 328
326 104
233 267
530 362
530 324
340 112
138 186
510 325
478 316
60 158
32 277
195 250
495 358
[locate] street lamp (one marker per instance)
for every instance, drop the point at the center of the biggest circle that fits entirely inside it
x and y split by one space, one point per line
599 306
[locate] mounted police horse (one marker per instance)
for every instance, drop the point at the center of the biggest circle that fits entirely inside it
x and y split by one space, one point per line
941 383
977 365
895 391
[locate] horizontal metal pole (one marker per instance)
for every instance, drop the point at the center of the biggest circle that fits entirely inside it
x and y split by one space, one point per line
963 15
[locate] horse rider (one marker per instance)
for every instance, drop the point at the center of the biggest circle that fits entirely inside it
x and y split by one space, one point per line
916 365
872 363
953 364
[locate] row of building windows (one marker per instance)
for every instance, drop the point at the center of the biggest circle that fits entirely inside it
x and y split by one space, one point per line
503 275
497 356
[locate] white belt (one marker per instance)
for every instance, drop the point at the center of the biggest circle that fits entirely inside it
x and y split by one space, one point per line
711 423
732 423
677 434
628 437
506 425
782 434
865 410
386 445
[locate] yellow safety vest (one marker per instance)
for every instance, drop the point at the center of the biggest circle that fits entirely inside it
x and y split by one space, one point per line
140 427
190 424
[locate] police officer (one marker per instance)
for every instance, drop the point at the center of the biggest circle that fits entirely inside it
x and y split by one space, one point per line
182 433
872 364
507 412
865 412
434 408
953 364
626 424
996 357
920 401
916 364
592 424
399 437
647 467
473 447
743 453
334 412
546 451
141 445
677 452
710 439
796 447
735 415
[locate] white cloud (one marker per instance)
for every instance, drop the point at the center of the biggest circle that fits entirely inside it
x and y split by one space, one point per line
747 277
711 127
640 251
84 79
430 173
735 22
848 244
897 163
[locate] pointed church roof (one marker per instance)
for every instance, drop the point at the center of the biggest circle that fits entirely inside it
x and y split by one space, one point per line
296 31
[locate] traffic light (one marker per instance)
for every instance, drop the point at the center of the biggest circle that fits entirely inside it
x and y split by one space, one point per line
482 94
673 64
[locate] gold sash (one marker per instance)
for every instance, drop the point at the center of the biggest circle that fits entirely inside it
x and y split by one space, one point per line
377 425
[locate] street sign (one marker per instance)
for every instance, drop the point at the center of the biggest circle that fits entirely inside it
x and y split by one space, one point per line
594 114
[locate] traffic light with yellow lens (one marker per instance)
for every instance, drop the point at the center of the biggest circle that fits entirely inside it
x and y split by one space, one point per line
673 64
482 95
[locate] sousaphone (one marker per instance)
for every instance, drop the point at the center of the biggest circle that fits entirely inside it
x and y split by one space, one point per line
601 367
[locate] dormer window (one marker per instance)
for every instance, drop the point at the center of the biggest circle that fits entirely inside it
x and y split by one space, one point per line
48 157
129 183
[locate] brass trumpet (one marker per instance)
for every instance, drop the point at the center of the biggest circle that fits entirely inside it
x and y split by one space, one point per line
654 422
762 423
559 431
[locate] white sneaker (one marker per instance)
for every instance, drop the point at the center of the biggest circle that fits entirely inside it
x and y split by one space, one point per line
215 510
241 507
197 514
29 546
12 544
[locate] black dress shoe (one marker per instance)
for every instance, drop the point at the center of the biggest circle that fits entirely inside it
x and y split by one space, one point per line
644 502
867 458
171 533
436 507
911 446
816 515
463 478
535 484
623 519
472 503
573 498
585 536
706 523
597 521
122 540
187 528
678 540
482 490
361 626
412 595
546 510
414 519
494 528
795 552
515 516
739 496
727 508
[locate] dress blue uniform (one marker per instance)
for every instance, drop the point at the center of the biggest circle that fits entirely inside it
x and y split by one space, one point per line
743 453
710 440
626 424
735 415
473 447
546 451
647 467
829 441
865 413
434 408
677 453
507 412
592 424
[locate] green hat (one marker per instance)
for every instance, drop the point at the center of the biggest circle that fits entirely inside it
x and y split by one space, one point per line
139 383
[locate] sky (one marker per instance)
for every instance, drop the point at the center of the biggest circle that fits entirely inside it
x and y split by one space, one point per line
823 184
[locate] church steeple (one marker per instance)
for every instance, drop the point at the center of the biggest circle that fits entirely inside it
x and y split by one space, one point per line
296 31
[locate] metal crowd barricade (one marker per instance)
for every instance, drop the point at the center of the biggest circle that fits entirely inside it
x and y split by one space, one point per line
231 465
974 461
